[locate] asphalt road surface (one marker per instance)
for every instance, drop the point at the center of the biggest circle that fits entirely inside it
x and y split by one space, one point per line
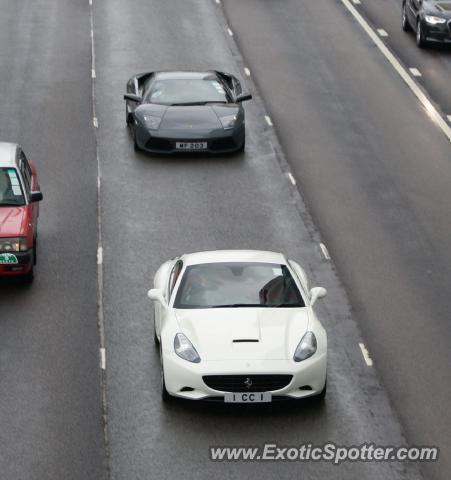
376 175
50 396
367 179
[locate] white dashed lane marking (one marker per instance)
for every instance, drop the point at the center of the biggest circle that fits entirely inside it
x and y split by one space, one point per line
382 32
103 359
415 72
230 32
292 179
268 120
366 355
95 122
324 251
247 71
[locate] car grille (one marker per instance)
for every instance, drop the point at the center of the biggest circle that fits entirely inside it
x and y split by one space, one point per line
161 144
226 143
247 383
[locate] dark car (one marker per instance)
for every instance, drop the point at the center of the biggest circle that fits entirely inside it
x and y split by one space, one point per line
430 19
181 111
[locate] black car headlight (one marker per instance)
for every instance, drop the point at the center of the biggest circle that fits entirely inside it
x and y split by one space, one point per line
16 244
431 19
306 348
228 122
151 122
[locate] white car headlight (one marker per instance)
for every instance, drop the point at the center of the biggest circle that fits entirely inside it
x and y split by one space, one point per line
306 348
151 122
184 349
13 244
228 122
434 20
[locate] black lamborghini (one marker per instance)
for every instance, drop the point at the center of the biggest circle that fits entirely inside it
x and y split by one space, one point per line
171 112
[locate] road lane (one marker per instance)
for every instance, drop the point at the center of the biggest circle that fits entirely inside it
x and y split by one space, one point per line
375 172
50 403
156 207
433 62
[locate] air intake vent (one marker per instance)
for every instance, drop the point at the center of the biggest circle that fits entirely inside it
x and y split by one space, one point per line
246 340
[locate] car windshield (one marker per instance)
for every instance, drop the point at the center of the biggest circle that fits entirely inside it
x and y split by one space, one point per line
229 285
10 189
186 92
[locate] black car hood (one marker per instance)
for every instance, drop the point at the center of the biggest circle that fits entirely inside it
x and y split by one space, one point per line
442 8
188 117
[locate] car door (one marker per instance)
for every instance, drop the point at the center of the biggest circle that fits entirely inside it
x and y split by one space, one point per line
172 280
412 11
30 179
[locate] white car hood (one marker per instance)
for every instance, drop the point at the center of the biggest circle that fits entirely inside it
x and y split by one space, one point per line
214 332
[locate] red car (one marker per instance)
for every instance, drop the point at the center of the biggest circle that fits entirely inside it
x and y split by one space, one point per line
19 211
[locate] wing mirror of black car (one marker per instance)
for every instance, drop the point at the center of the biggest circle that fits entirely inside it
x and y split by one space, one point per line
36 197
243 98
133 98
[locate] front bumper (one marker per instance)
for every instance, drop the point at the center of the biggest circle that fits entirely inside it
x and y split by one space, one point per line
440 33
309 376
24 265
164 141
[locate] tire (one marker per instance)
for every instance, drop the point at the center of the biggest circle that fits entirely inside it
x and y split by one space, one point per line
128 117
35 252
135 143
421 42
243 146
29 277
164 393
405 22
322 395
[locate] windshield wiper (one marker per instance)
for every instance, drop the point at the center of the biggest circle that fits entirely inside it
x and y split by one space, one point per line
237 305
190 104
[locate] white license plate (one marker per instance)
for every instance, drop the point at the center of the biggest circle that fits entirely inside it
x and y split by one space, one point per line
251 397
191 145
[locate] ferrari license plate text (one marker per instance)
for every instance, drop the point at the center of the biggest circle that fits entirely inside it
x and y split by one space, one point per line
257 397
191 145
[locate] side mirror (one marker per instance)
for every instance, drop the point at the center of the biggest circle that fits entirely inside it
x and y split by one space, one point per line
243 98
36 197
133 98
156 295
316 293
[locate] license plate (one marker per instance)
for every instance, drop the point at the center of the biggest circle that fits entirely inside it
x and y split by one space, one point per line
191 145
251 397
8 259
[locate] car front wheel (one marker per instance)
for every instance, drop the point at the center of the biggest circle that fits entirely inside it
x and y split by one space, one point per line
421 42
164 393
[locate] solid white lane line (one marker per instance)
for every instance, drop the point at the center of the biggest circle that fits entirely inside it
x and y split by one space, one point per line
366 355
229 32
103 359
324 251
268 120
247 71
382 32
95 122
100 256
424 100
415 72
292 179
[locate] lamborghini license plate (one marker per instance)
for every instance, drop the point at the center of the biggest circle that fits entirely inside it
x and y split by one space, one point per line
191 145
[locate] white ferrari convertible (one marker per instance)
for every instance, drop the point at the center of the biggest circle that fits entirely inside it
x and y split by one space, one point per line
238 326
